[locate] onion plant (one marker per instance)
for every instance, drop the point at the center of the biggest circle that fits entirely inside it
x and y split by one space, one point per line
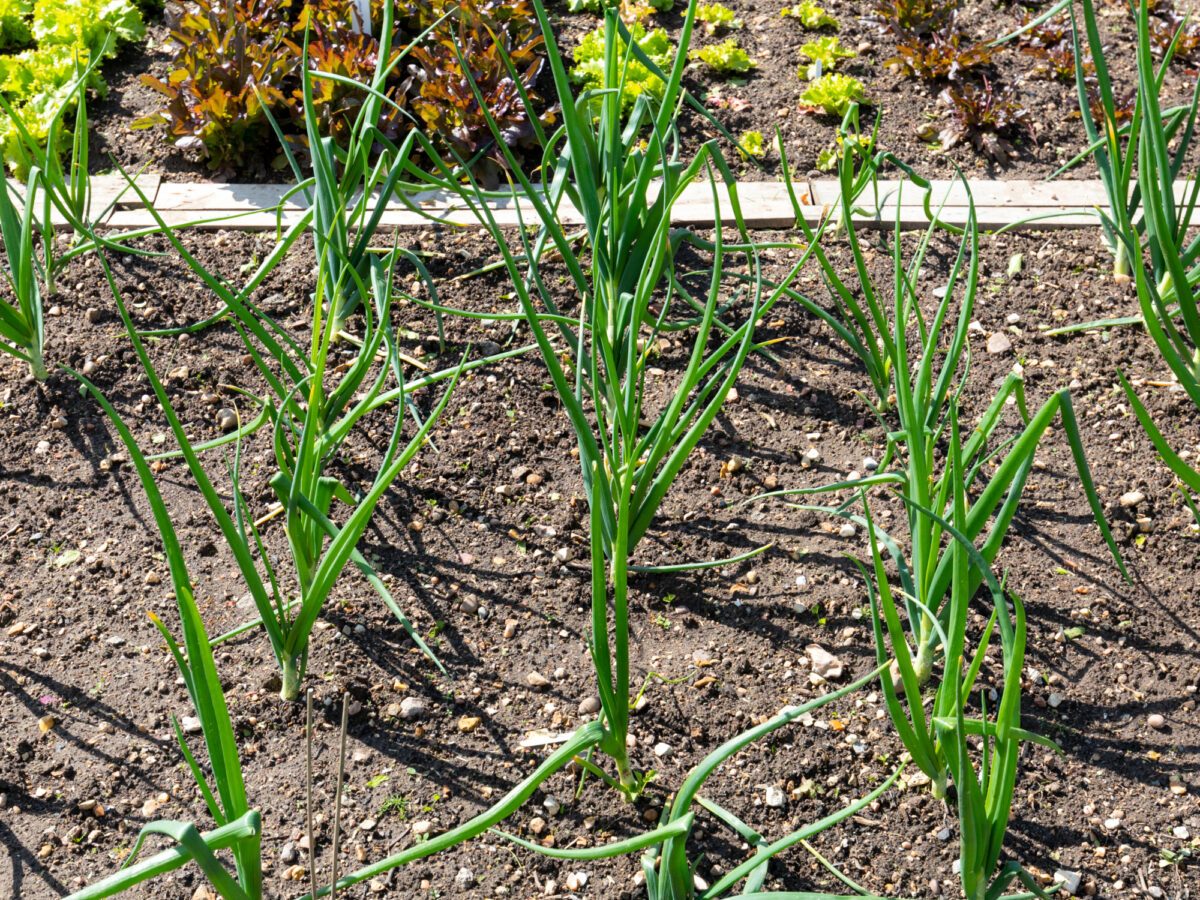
65 188
623 174
937 739
310 418
1167 289
1116 148
239 827
349 189
22 326
668 867
929 362
1122 150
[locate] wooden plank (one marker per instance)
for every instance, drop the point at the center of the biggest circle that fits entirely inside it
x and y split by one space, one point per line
203 197
106 188
989 219
1064 194
1058 194
765 205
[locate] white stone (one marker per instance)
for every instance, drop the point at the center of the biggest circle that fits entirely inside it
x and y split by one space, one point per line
412 708
824 663
1070 880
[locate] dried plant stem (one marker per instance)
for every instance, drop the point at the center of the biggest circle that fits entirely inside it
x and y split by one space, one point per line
337 799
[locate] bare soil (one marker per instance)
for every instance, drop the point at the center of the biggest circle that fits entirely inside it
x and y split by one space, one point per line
88 655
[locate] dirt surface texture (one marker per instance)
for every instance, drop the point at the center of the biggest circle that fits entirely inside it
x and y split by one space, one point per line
483 541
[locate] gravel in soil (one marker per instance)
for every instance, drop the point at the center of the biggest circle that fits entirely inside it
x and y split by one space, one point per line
482 539
766 97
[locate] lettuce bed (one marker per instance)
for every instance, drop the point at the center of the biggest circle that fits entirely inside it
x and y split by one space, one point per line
46 46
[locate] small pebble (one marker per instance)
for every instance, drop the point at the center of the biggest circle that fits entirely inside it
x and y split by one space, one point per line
1070 880
576 880
1132 498
824 664
1155 721
537 680
775 798
412 708
227 420
998 343
589 706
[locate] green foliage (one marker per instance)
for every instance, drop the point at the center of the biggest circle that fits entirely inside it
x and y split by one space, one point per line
717 17
1150 226
824 53
592 6
239 64
588 72
86 23
727 56
239 825
833 93
39 83
751 144
810 15
21 320
14 23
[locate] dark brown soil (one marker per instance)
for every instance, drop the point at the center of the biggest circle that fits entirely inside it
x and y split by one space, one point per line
89 656
767 97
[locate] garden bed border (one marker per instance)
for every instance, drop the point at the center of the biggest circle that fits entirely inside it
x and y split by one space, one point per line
765 205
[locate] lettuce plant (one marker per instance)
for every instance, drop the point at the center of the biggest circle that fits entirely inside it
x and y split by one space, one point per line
941 55
824 53
588 73
727 56
833 93
751 144
14 23
810 15
717 17
239 65
988 117
39 82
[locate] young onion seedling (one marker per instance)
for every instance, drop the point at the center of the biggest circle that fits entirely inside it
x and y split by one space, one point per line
622 174
926 360
1139 163
310 421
